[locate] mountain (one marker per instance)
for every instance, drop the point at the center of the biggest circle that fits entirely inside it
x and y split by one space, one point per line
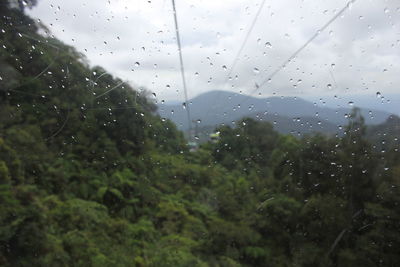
288 114
377 101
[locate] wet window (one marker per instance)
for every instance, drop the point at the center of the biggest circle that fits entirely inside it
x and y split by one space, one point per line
199 133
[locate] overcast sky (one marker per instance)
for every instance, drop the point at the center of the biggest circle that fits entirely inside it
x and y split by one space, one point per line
357 54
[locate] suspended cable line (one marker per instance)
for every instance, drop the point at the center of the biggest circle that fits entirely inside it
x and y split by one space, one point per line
239 52
294 55
182 68
235 61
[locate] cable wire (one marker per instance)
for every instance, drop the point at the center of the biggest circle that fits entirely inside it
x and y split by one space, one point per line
236 59
317 33
292 56
182 68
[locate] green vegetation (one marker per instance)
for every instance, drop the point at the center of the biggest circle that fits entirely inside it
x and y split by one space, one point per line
89 178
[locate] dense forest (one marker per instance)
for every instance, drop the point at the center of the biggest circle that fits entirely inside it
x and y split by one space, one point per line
90 175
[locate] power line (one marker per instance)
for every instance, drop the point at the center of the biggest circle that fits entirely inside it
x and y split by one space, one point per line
348 5
178 40
236 59
294 55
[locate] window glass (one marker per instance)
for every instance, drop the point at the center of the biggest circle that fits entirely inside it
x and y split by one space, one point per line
199 133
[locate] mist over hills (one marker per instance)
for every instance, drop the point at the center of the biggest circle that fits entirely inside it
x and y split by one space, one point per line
288 114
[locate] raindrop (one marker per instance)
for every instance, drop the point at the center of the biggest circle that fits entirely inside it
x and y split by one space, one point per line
268 45
154 95
329 86
137 64
333 65
198 121
386 10
184 105
224 67
351 103
196 74
256 70
378 94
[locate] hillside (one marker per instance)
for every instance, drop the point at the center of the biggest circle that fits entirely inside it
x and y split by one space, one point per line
91 175
217 107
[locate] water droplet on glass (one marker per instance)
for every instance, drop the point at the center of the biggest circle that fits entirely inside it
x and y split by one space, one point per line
386 10
378 94
329 86
256 70
268 45
351 103
224 67
137 64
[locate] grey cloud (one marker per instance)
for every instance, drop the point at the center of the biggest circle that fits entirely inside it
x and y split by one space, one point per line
212 32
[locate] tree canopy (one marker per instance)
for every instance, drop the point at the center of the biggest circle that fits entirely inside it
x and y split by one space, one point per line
90 175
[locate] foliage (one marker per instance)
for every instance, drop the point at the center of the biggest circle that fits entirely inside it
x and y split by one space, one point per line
93 177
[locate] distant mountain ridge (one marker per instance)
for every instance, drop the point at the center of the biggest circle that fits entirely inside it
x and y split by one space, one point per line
288 114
